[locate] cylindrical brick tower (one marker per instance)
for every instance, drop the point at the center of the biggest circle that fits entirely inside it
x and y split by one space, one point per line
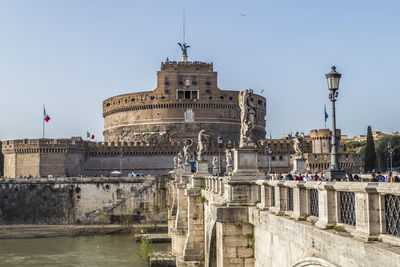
321 140
186 100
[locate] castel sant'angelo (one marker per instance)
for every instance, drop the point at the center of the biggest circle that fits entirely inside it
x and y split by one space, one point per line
144 131
186 100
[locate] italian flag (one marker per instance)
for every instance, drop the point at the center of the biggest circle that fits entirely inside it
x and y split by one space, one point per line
46 117
88 135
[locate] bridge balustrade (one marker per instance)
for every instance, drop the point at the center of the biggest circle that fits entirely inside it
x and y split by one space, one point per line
214 184
367 210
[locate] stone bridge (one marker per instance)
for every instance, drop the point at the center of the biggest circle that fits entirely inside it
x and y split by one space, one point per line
245 219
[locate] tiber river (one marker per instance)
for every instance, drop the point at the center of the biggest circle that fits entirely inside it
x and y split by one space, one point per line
101 250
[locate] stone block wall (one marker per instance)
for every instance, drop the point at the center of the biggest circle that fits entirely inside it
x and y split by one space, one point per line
26 165
72 200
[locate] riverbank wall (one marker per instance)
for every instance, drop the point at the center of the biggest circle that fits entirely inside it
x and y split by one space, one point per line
82 200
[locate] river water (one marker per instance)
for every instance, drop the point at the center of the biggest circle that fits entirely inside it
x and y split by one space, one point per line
101 250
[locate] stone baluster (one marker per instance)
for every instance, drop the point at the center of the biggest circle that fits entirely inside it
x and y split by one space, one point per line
327 205
281 201
299 200
221 186
265 194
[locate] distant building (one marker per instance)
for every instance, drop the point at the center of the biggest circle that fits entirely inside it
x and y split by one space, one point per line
319 160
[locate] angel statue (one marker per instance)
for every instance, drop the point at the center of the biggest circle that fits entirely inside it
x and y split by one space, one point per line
228 155
186 151
247 118
215 162
202 144
180 158
298 145
184 48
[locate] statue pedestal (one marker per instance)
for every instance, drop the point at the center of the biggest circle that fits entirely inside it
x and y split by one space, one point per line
201 172
201 167
245 163
187 169
299 166
239 188
229 169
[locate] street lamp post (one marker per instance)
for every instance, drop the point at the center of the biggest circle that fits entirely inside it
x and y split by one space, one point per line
390 150
120 161
269 151
219 139
334 172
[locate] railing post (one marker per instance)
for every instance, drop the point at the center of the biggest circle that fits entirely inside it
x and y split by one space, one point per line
265 194
281 201
368 213
299 200
326 205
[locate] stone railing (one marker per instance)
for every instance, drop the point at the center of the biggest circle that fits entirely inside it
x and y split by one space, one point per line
214 184
367 210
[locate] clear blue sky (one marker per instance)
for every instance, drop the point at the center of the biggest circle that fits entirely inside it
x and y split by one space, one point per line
71 55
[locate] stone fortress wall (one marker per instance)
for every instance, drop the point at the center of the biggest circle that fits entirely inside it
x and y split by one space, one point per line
76 157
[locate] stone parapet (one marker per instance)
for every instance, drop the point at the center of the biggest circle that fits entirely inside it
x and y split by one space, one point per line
360 208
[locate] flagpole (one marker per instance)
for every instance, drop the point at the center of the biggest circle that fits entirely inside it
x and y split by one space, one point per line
43 120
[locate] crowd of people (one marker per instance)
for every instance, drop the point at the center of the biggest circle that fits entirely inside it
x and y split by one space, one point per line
378 177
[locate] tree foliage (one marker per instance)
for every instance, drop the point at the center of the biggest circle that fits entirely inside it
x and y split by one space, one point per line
383 155
355 144
369 152
146 249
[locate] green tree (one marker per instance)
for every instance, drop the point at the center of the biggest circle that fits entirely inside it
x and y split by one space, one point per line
383 155
369 152
146 249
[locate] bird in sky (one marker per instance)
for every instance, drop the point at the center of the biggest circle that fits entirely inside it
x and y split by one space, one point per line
243 15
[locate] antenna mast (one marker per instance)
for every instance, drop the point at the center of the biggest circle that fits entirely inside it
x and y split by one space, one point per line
183 45
183 32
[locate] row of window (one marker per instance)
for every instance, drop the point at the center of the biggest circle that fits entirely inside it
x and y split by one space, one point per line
188 94
187 82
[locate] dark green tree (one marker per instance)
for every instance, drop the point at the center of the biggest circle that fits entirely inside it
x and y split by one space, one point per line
383 155
369 152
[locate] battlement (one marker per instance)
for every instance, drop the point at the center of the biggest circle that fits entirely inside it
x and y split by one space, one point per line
323 133
174 65
43 145
281 146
